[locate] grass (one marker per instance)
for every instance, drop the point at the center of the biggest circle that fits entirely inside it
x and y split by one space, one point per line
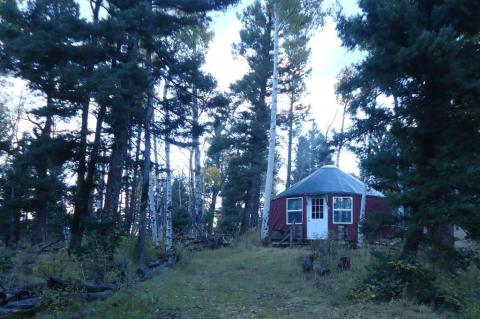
245 281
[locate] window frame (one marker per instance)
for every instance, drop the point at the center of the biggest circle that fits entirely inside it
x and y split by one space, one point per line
342 210
296 210
321 207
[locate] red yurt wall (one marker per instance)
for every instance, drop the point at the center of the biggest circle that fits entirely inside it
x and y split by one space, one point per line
373 205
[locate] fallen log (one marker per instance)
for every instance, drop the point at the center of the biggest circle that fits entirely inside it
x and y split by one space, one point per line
59 284
47 246
148 273
145 274
21 293
25 306
91 296
156 263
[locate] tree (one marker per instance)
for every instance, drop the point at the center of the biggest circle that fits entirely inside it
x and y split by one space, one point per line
292 17
86 171
83 67
293 86
246 141
420 130
39 46
312 153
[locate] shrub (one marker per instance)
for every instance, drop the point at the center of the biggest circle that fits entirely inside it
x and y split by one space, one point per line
326 252
57 264
5 260
390 278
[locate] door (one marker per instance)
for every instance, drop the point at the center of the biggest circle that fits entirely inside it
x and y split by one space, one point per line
317 218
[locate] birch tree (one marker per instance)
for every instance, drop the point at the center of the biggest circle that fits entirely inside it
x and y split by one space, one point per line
147 171
168 181
289 16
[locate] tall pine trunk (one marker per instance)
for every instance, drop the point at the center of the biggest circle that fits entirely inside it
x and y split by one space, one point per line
273 127
121 125
82 206
42 171
84 186
131 212
117 158
14 232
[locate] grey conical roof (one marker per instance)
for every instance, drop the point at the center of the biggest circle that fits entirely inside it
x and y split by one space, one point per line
326 180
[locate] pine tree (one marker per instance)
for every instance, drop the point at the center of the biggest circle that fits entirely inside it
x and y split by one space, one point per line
293 86
39 46
312 153
246 162
421 139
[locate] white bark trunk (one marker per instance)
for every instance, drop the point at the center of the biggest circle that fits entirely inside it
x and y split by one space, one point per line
273 127
168 202
197 191
342 130
153 210
362 215
198 222
168 186
158 187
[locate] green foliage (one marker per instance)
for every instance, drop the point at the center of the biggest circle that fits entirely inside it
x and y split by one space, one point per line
392 278
5 261
417 136
180 216
57 301
58 265
127 246
376 224
246 147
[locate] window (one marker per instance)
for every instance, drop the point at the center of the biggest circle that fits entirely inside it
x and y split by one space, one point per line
342 210
317 208
294 210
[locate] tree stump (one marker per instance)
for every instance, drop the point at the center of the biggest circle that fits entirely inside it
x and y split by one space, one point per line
344 263
322 271
308 263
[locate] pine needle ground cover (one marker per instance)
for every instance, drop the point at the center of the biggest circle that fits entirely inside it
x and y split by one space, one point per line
247 281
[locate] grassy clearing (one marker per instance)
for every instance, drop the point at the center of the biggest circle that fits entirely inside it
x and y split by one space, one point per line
245 281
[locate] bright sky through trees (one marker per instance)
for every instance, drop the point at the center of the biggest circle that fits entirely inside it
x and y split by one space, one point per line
328 58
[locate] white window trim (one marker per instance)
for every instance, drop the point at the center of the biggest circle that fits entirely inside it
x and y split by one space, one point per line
341 209
323 206
301 210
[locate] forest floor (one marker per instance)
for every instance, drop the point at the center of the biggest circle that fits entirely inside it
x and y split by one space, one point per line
245 281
